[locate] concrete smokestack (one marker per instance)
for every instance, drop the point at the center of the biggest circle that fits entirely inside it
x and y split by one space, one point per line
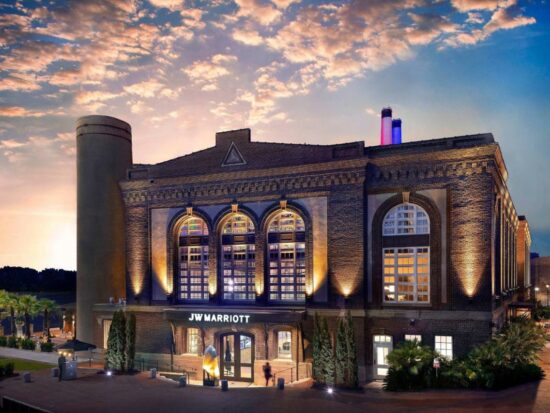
103 153
385 128
396 131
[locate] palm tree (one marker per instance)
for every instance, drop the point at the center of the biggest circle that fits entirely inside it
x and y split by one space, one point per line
49 307
9 302
28 307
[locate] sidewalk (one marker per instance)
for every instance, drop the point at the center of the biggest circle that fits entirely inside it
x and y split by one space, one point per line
50 358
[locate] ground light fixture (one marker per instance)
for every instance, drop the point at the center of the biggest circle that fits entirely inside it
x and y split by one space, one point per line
109 373
330 390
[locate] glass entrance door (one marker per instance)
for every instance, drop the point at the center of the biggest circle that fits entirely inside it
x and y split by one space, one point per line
237 357
383 346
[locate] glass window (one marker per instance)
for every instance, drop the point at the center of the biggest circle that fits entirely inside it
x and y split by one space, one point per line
193 341
287 257
412 337
444 346
406 219
238 259
406 274
284 344
193 260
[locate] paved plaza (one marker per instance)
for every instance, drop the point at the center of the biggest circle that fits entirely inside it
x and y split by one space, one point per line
94 392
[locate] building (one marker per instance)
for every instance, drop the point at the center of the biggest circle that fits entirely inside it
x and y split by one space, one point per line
239 245
540 273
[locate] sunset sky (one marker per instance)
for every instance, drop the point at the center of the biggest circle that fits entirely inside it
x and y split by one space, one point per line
293 71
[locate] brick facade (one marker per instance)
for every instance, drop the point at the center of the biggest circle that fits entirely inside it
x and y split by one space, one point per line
343 192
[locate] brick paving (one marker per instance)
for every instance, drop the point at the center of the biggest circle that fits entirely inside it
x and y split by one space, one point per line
98 393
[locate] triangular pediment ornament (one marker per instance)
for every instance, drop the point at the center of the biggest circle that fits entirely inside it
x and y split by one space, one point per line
233 156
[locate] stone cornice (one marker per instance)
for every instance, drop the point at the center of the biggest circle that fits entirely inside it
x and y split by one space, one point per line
246 174
181 189
399 171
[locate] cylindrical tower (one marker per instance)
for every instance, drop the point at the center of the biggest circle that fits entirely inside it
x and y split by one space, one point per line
385 127
104 154
396 131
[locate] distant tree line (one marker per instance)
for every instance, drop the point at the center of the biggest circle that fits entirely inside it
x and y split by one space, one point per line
22 279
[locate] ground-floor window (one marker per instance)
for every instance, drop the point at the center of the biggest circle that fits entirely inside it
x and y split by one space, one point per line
412 337
444 346
193 340
284 344
106 328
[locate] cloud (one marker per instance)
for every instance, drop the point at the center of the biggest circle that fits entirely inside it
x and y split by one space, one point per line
20 82
11 144
474 18
249 37
146 89
506 19
18 111
264 14
85 97
283 4
206 73
467 5
169 4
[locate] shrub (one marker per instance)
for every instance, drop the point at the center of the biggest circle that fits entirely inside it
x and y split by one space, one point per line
8 369
27 344
506 360
130 341
323 355
115 357
46 347
410 367
346 354
12 342
3 341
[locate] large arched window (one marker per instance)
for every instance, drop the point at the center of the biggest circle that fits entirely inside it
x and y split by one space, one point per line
238 258
406 262
193 259
406 219
287 257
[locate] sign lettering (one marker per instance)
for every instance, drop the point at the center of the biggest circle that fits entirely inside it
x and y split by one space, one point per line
219 318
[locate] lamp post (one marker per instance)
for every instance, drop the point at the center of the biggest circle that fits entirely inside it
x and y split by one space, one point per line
536 291
547 296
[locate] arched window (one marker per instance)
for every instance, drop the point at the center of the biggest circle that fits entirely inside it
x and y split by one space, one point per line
193 259
238 258
287 257
406 219
406 263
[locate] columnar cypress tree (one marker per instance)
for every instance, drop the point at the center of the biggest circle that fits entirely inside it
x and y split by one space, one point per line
341 353
326 355
316 350
351 354
116 343
130 341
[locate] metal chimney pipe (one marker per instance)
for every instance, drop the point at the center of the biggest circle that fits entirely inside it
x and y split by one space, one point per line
386 127
396 131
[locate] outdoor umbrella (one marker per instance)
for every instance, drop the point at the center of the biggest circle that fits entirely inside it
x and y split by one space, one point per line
75 346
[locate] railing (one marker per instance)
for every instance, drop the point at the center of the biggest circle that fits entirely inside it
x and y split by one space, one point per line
146 365
293 377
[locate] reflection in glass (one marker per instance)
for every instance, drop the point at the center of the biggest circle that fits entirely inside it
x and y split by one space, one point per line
284 344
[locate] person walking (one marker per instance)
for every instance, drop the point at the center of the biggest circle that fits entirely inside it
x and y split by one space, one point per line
61 363
267 373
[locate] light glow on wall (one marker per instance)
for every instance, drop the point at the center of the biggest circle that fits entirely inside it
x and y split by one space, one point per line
469 261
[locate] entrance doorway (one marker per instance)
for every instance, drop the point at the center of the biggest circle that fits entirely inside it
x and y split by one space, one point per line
237 357
383 346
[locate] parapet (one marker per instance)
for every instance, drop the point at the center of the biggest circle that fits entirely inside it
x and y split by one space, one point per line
103 125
